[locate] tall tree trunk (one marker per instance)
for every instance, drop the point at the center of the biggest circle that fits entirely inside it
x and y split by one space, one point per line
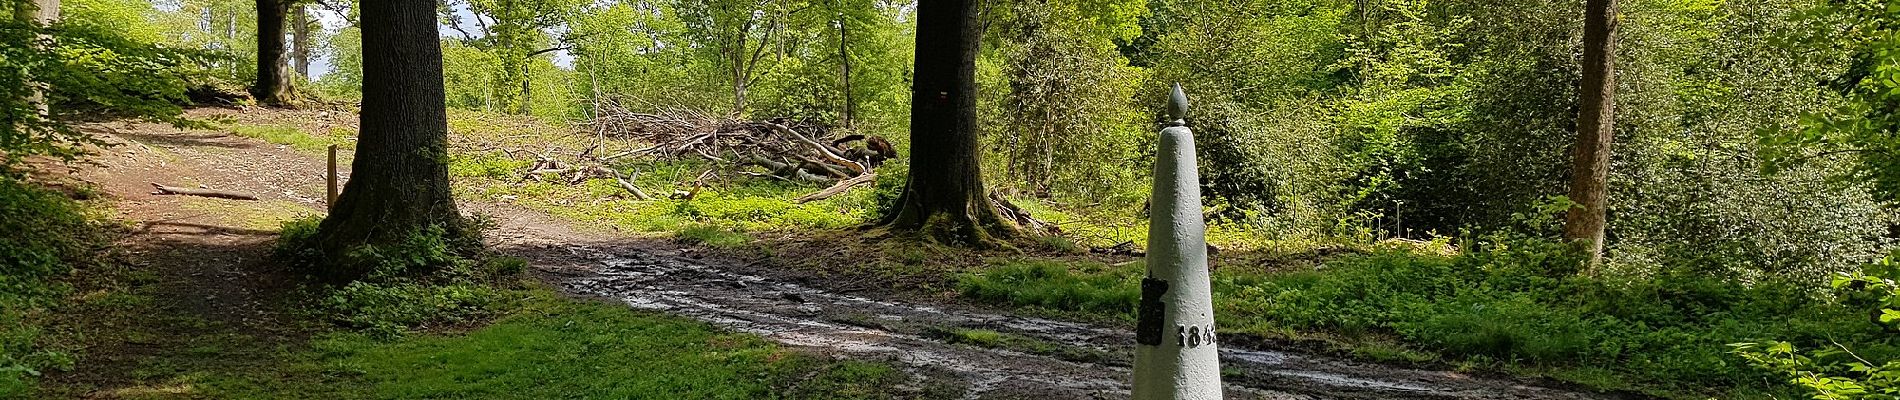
844 62
273 78
945 192
739 76
400 180
41 14
300 40
1584 224
527 88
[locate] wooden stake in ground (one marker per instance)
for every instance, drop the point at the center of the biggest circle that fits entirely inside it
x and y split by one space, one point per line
330 195
162 190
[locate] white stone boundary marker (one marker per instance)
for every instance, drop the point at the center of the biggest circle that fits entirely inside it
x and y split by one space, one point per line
1175 354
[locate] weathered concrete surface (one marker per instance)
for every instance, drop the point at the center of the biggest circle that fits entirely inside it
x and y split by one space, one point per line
1176 296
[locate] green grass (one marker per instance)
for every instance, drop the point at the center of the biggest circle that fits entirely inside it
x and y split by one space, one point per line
296 138
714 236
562 348
1500 308
1088 287
552 347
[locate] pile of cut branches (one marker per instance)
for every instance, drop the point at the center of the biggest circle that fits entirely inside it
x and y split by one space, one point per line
772 149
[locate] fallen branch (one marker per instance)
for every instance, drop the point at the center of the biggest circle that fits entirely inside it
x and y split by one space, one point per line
163 190
822 149
624 184
1011 212
840 187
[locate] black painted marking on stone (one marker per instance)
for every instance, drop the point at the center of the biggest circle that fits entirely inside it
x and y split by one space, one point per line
1148 329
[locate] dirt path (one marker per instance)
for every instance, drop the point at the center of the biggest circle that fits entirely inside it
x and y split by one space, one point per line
1090 361
1072 360
189 284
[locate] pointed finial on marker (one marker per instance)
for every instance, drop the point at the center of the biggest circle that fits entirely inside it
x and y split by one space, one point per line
1177 106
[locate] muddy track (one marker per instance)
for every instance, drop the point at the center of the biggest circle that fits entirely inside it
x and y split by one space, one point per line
1094 363
1076 361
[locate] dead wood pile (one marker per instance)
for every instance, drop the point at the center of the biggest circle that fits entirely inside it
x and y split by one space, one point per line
777 148
772 149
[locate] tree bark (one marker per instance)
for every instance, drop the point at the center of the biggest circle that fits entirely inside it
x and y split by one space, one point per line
739 75
527 88
399 184
40 14
844 66
1585 222
945 191
273 78
300 40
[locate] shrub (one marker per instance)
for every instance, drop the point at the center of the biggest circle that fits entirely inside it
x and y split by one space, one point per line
1838 372
427 279
390 309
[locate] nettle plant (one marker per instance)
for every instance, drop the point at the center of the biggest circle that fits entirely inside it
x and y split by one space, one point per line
1837 372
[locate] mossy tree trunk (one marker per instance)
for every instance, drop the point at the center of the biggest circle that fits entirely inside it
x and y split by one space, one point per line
400 181
273 71
945 194
1586 221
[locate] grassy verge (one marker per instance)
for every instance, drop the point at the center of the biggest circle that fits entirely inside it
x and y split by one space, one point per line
461 330
296 138
1498 308
32 258
548 347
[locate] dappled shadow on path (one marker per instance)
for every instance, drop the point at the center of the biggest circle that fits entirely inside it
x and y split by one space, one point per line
174 301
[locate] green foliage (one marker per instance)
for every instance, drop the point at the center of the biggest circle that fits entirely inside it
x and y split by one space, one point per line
389 310
1515 302
1506 302
1066 125
1864 124
91 64
1836 371
715 237
889 188
426 280
1090 287
484 165
228 26
345 80
786 58
1413 118
30 266
30 260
